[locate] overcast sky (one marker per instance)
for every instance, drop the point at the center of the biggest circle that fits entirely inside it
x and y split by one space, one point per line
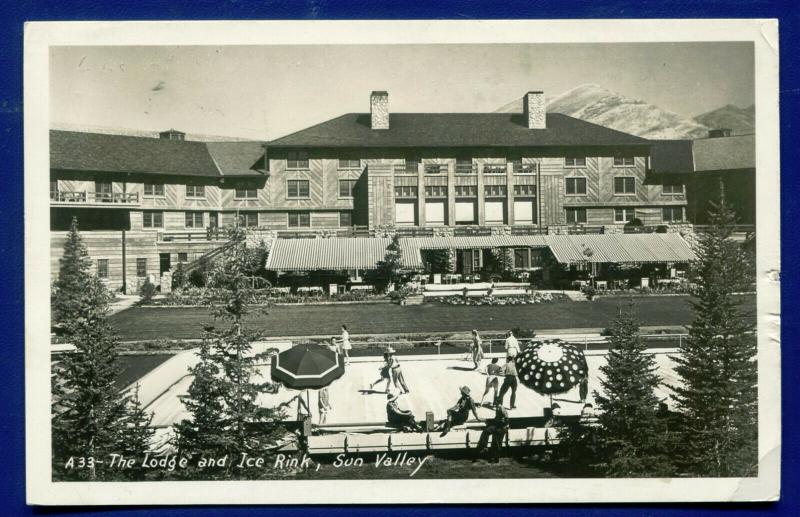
268 91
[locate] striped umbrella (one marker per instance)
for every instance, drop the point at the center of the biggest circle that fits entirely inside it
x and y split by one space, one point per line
551 366
307 366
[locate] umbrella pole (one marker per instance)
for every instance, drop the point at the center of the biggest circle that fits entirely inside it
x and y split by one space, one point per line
308 403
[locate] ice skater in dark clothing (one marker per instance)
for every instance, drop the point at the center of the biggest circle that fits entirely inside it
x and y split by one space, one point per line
496 429
509 382
402 419
459 413
384 374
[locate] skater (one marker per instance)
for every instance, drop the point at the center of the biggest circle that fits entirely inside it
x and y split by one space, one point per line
477 349
402 419
344 344
509 382
459 413
512 345
323 405
384 374
493 371
397 373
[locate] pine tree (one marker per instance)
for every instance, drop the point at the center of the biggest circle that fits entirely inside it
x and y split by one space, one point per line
391 264
717 394
137 435
89 414
226 418
631 432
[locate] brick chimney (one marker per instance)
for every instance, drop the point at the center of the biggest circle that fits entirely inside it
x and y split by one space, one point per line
379 110
172 134
719 132
535 110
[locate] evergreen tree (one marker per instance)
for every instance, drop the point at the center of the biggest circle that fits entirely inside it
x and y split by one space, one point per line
137 435
89 414
391 264
630 432
717 394
226 418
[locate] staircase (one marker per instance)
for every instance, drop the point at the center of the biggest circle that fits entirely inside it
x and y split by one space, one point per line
190 266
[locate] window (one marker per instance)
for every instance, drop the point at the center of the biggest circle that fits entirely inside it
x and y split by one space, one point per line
522 258
436 191
524 211
624 161
525 190
183 257
466 190
405 191
576 186
245 192
464 165
103 191
154 189
495 212
576 215
465 212
625 186
297 160
195 191
53 190
299 220
345 219
141 267
623 215
346 188
477 259
102 268
405 213
153 219
194 219
575 161
672 213
349 163
248 219
412 165
435 212
672 188
495 191
297 189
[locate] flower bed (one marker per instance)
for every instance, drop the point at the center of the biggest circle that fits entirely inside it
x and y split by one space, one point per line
199 296
523 299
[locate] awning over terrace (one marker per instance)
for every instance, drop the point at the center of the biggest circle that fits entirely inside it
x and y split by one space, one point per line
366 252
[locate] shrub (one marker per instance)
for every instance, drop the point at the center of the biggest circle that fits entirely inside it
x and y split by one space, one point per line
147 290
522 333
589 291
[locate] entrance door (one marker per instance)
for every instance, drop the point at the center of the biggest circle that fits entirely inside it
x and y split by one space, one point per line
163 260
213 220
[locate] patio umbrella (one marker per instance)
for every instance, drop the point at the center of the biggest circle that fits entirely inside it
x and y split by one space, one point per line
307 366
551 366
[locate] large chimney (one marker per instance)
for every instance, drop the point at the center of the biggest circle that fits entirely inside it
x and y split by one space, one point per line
535 110
379 110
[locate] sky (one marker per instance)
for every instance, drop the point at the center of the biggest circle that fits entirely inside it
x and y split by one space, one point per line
264 92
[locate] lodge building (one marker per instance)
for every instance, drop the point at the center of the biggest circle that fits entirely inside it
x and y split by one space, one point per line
147 204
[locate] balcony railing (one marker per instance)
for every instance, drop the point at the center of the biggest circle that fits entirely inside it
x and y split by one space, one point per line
127 198
413 231
409 168
467 231
466 168
580 229
528 230
435 168
209 234
525 168
494 168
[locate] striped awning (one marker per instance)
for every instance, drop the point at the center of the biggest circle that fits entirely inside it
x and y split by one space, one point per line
326 254
366 252
620 248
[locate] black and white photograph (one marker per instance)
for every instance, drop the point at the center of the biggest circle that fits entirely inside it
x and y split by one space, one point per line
310 262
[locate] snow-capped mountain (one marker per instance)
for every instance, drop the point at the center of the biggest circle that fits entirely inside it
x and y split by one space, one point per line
741 121
593 103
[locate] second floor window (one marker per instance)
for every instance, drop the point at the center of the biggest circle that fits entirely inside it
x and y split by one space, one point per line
576 186
672 188
297 189
195 191
624 161
154 189
575 161
349 163
624 185
346 188
297 160
248 219
405 191
194 219
153 219
436 191
103 191
576 215
102 268
495 191
525 190
299 220
466 190
623 215
245 192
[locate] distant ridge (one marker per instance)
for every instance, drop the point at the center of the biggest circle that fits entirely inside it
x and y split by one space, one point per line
741 121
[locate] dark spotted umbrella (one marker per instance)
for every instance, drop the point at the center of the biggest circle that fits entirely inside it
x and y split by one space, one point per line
551 366
307 366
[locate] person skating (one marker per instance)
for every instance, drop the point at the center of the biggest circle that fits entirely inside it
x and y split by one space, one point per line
385 376
493 371
512 345
397 372
459 413
509 382
345 345
476 349
402 419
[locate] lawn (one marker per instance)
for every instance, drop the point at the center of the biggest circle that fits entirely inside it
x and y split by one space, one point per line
306 320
